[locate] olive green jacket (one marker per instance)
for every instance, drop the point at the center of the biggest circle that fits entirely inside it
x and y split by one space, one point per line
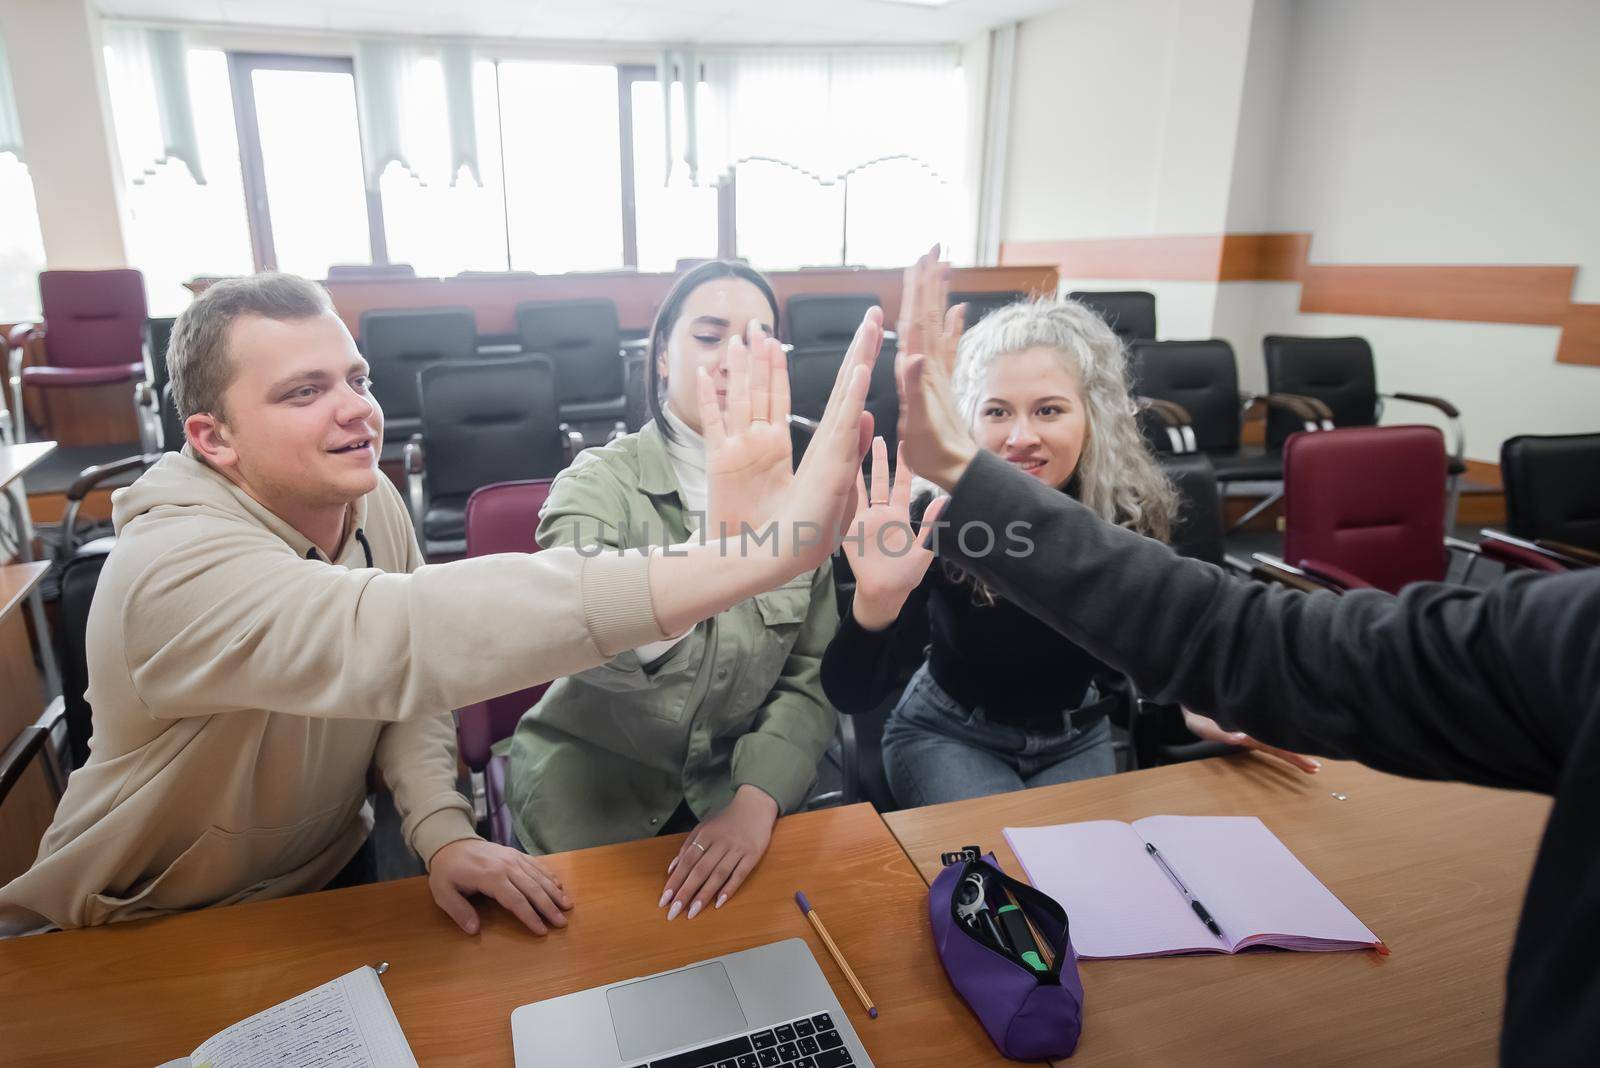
609 753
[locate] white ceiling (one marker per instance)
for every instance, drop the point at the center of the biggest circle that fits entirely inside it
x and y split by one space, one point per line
855 22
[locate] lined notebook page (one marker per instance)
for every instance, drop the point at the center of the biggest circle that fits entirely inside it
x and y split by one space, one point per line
1118 902
347 1023
1254 887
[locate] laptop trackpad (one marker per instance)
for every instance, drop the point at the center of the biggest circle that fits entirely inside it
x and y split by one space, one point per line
681 1009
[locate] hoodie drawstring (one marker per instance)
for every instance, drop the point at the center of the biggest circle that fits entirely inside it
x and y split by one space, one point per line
361 536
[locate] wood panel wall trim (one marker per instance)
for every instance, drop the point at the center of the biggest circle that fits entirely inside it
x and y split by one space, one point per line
1538 295
494 299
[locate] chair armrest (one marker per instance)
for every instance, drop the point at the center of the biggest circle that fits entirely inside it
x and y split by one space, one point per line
26 745
22 333
1458 446
1175 418
1269 568
1334 575
1422 398
1576 554
1309 410
572 442
84 484
416 492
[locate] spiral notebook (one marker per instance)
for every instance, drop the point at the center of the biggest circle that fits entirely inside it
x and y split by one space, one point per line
1121 904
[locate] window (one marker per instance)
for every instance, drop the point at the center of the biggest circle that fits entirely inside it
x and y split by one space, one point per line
560 133
176 227
22 250
787 218
808 158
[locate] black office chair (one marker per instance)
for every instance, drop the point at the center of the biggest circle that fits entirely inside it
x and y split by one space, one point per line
71 538
819 320
398 344
483 421
1340 372
1552 486
584 344
157 335
1202 377
812 372
1130 313
79 577
980 305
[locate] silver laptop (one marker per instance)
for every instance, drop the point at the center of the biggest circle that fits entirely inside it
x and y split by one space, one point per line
768 1007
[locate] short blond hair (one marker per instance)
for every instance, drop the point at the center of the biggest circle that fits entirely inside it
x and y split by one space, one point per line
197 354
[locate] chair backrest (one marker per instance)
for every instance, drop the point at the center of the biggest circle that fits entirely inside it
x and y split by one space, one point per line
78 578
1131 313
1198 531
1338 371
357 272
1203 376
981 304
501 518
157 334
93 318
486 421
582 339
399 343
816 320
1369 500
1552 485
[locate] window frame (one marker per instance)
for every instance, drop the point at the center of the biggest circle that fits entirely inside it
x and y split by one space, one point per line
241 65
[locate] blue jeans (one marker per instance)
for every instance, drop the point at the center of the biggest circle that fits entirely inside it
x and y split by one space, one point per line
935 750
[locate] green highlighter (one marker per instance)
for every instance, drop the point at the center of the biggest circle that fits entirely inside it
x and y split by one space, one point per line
1015 926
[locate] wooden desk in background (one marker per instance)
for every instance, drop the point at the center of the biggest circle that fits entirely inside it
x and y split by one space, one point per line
1437 870
143 992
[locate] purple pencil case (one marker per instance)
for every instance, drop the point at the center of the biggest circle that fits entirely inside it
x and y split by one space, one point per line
1029 1015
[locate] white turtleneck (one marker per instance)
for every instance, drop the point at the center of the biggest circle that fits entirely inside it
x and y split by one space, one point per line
686 451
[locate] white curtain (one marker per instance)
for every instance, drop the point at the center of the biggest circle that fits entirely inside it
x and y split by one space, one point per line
455 59
396 102
152 67
827 113
10 125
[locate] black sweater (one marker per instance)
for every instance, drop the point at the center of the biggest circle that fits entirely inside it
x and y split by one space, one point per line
1497 687
991 656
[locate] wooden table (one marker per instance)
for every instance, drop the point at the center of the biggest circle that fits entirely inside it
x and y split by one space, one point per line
1436 870
142 992
29 806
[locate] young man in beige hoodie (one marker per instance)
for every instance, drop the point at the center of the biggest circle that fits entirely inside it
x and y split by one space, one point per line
265 633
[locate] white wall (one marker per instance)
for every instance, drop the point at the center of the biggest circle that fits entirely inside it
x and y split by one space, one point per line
1394 131
1123 118
1444 132
57 72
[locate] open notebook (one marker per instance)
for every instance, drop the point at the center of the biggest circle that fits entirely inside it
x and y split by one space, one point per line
347 1023
1121 904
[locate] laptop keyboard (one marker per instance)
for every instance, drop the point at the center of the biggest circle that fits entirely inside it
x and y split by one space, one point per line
809 1042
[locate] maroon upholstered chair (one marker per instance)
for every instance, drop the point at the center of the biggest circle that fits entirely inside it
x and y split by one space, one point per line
93 332
500 518
1365 506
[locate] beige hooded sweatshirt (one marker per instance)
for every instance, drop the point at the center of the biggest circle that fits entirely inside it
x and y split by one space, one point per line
243 687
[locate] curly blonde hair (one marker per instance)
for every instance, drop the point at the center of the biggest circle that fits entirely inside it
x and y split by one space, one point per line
1117 476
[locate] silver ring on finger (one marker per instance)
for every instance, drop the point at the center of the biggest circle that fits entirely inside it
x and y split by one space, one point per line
698 846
